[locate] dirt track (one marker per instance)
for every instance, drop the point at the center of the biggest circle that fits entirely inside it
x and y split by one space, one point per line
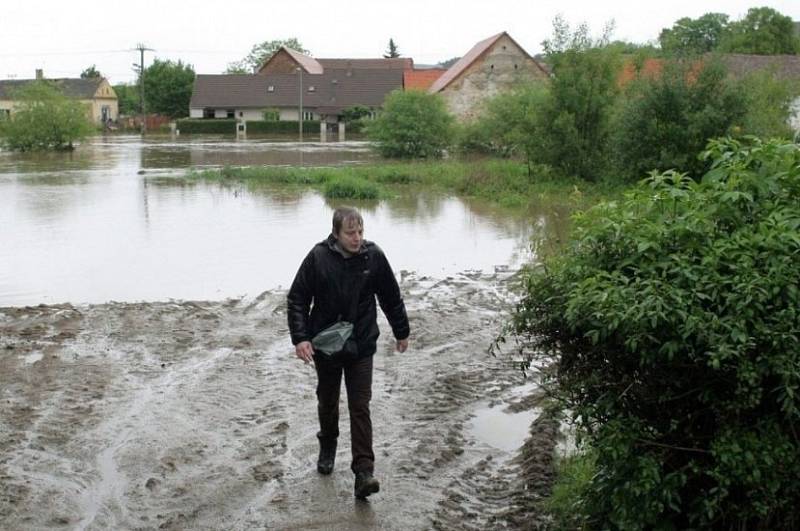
197 415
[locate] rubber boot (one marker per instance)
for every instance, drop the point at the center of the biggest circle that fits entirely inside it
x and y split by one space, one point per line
327 456
366 484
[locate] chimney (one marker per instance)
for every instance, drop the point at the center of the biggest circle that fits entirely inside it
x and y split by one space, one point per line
39 74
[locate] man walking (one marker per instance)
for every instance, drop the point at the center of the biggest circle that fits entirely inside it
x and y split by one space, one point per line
338 283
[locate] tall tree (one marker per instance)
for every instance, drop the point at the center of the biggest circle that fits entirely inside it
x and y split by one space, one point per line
91 73
259 54
583 93
391 51
127 98
690 36
168 87
762 31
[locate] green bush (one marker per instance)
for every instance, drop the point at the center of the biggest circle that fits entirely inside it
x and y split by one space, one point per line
413 124
674 318
351 188
227 126
583 93
196 126
43 119
768 102
511 124
666 121
288 127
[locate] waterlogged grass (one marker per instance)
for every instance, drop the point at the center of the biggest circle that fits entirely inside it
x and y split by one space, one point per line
574 473
505 182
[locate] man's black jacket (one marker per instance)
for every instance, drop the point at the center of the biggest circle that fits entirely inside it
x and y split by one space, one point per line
329 287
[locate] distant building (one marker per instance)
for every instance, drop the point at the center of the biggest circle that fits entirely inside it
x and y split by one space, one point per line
96 93
328 87
491 66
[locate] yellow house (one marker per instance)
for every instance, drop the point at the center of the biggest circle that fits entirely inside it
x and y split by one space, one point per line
96 93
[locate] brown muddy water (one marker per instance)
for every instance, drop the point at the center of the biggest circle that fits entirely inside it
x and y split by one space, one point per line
157 387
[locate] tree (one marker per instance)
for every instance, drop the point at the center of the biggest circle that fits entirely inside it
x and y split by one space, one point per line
448 63
583 93
44 119
690 36
91 73
127 98
168 87
669 328
762 31
391 51
413 124
259 54
511 124
665 121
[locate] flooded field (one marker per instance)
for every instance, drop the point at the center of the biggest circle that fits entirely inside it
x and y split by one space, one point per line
157 387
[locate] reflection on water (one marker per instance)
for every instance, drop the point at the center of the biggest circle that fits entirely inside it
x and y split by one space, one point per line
91 226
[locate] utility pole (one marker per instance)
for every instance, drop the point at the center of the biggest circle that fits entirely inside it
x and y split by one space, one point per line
142 48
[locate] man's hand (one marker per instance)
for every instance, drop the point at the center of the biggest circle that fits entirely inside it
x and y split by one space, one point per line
304 351
402 345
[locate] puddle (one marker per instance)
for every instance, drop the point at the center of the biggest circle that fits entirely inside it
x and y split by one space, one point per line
497 427
32 358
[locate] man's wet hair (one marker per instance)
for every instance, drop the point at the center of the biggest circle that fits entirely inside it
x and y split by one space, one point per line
346 214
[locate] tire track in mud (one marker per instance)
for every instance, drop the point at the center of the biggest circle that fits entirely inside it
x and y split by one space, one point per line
196 415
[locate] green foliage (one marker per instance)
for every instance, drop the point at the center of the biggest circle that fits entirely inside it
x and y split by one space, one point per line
44 119
259 54
501 181
227 126
168 87
448 63
768 103
511 124
287 127
413 124
583 92
351 188
91 73
391 50
354 113
666 120
674 317
762 31
691 37
271 115
127 99
196 126
566 501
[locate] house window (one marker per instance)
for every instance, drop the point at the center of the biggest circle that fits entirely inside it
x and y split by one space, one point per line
209 113
271 88
230 113
308 115
311 88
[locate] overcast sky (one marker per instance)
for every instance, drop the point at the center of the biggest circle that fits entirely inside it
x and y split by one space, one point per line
63 38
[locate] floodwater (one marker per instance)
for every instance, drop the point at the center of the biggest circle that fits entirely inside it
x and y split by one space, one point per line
116 220
157 388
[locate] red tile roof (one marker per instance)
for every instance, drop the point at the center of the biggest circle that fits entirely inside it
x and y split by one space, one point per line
421 79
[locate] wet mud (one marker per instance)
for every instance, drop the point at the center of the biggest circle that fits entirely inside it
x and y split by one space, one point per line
197 415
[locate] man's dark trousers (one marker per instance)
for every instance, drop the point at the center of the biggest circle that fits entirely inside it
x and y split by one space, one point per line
358 382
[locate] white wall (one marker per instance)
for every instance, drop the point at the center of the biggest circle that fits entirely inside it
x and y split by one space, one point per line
794 115
195 113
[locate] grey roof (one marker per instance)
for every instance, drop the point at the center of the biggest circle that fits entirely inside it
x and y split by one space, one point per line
335 89
783 66
82 89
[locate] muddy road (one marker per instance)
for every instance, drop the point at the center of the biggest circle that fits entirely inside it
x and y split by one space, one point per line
197 415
